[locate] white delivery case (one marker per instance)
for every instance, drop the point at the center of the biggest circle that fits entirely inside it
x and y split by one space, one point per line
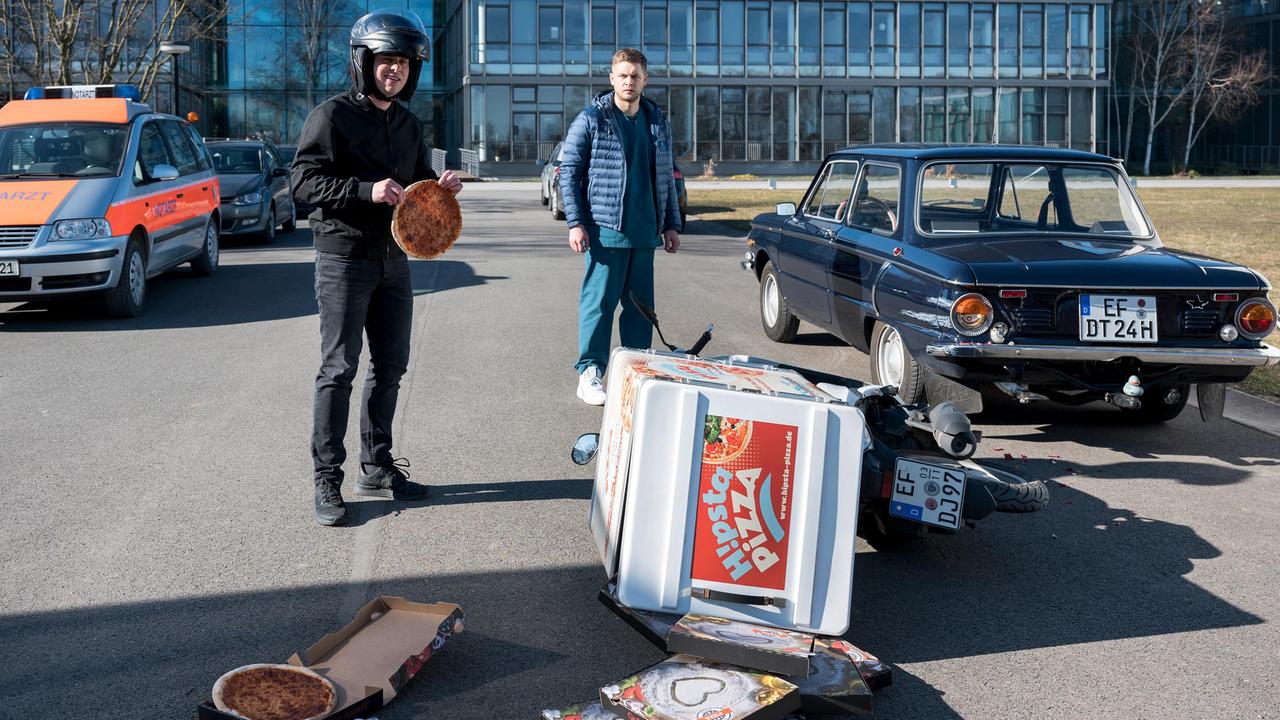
728 489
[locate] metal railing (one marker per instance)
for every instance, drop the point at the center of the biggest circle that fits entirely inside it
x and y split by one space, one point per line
470 161
1243 157
438 161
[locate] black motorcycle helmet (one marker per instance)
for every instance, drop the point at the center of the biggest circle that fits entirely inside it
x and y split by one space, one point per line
383 32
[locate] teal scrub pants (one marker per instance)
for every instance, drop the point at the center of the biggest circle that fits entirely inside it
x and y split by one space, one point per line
611 275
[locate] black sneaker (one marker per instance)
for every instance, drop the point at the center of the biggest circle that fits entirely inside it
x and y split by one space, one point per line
330 510
389 481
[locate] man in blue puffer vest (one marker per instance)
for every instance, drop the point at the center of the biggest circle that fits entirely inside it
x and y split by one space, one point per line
620 204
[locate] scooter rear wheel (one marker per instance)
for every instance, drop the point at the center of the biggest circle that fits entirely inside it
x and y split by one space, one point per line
1012 492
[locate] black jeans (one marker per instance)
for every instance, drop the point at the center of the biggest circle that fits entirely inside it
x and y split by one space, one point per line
373 297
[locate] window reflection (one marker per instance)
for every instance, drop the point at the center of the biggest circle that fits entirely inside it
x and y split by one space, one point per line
859 39
784 128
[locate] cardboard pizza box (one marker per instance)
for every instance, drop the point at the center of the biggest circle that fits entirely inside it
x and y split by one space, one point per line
833 685
742 480
580 711
371 659
747 645
683 687
654 626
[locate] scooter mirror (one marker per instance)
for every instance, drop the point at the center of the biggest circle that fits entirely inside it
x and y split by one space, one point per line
585 448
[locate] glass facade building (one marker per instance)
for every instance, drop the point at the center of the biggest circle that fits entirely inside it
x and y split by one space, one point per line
1253 142
783 81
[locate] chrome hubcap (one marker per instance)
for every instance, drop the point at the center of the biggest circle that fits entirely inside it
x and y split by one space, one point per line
211 244
137 278
890 362
770 305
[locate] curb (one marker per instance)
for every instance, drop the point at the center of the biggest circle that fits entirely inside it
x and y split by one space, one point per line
1242 408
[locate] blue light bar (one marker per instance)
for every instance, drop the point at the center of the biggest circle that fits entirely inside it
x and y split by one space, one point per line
34 94
78 92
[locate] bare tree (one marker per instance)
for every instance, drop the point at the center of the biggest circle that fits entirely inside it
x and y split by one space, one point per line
101 41
1158 42
316 17
1222 82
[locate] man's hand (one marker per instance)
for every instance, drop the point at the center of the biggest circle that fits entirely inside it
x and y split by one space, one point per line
578 239
387 191
450 181
671 241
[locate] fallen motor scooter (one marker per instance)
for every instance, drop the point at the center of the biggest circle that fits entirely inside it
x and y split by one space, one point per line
917 476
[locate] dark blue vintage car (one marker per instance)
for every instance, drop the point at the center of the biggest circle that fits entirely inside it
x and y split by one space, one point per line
1027 270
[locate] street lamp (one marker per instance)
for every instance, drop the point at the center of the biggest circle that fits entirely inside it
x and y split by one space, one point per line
174 49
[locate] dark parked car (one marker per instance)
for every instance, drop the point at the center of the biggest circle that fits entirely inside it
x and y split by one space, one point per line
255 189
550 187
1031 271
287 153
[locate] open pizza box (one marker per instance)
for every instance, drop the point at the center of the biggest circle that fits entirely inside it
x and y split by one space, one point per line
371 659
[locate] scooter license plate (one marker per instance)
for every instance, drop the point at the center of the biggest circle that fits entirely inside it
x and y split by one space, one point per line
929 494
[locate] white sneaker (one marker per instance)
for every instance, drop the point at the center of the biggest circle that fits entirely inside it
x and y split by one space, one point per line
590 389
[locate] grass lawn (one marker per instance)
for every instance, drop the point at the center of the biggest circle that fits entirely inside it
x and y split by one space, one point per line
1237 224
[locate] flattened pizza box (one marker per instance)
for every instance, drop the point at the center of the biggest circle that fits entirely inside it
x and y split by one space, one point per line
746 645
581 711
653 626
371 659
683 687
742 480
833 685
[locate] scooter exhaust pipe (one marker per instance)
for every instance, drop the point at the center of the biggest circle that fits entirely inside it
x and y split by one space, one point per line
952 430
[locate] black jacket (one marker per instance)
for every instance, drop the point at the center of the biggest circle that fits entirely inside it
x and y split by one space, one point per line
347 145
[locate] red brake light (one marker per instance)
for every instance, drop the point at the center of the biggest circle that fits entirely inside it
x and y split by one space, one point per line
1226 297
1013 293
557 172
676 174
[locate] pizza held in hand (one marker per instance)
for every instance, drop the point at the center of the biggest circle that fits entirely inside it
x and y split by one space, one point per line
427 220
274 692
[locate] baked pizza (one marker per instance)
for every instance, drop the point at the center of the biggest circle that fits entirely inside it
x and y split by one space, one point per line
427 220
274 692
724 438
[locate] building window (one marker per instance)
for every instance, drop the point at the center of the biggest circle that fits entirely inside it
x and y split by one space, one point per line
681 114
933 103
884 35
859 117
575 37
909 114
1055 22
732 38
885 115
983 40
833 27
603 39
784 123
758 124
550 39
958 115
497 121
758 39
629 23
1055 108
935 50
708 34
1081 119
1080 41
1032 116
1008 40
859 39
835 121
524 123
1100 41
733 120
708 123
909 40
958 42
524 38
810 124
810 39
784 39
680 18
1032 41
983 115
1008 116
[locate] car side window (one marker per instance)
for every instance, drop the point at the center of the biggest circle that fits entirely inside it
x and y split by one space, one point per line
876 204
830 199
184 152
203 161
151 152
1025 192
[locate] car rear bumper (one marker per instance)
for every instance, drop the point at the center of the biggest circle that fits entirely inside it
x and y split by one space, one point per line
63 269
243 219
1240 357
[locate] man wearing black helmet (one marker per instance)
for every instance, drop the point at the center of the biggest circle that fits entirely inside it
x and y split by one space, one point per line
357 153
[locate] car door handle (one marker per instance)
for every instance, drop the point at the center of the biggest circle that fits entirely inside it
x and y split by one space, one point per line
826 233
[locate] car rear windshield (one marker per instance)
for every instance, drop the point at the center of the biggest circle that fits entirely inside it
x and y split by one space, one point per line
232 160
1051 198
62 150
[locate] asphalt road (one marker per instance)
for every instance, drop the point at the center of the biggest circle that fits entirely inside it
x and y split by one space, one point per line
158 526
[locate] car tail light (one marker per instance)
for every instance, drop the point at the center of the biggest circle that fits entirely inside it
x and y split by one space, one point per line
1006 294
971 314
676 174
1256 318
557 171
1226 297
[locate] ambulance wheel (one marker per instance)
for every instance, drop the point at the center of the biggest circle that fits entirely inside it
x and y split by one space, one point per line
126 298
775 314
206 263
885 533
292 223
892 364
268 235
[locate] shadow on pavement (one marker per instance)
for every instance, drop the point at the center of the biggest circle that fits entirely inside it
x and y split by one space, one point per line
237 293
363 510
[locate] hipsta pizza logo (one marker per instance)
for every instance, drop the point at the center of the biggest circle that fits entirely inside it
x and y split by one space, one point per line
742 544
716 714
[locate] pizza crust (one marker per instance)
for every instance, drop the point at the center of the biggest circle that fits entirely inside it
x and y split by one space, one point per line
427 220
220 688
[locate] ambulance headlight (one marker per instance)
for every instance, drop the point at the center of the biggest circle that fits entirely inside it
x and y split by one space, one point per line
81 229
252 198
